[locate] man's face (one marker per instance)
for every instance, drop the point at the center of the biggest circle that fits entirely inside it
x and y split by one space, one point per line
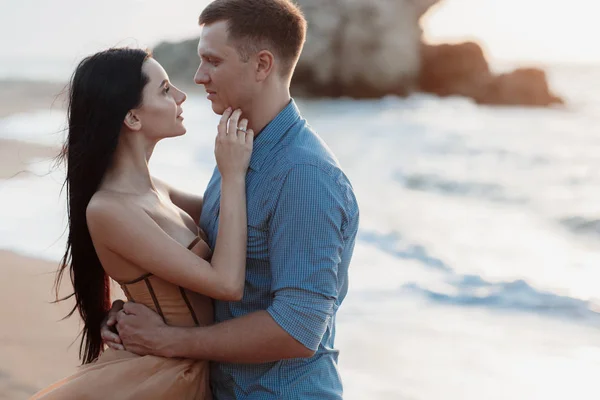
228 80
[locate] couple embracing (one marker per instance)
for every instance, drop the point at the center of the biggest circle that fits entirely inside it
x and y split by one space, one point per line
230 295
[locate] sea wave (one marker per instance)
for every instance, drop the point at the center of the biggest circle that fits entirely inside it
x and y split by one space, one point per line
582 225
392 243
437 184
516 295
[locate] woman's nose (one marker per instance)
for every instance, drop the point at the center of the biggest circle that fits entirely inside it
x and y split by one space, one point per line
181 96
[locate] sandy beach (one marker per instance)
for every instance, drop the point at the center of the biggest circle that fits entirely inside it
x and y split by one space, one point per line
36 347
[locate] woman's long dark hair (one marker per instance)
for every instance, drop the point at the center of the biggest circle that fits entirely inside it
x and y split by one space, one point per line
104 87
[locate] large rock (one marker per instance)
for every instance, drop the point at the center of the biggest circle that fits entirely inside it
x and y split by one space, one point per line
360 48
462 70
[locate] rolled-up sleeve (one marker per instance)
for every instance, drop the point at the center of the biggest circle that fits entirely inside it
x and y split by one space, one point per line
305 246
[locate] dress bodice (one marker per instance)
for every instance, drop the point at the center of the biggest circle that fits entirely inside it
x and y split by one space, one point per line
176 305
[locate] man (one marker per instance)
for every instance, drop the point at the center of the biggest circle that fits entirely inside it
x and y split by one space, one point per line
278 341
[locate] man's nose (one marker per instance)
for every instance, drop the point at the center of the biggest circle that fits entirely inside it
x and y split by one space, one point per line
201 77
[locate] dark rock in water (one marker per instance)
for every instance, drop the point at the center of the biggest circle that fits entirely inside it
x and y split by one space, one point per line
304 84
180 60
462 70
524 86
449 69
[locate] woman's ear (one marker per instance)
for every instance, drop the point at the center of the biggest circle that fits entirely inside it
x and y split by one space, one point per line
132 121
265 62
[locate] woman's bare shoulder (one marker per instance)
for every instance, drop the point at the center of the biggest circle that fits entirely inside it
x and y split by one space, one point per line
109 205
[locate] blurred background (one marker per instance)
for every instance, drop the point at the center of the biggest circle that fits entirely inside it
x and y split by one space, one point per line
469 131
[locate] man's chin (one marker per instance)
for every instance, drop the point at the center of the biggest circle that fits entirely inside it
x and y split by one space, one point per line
218 108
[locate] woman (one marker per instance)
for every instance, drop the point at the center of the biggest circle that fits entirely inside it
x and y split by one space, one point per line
128 226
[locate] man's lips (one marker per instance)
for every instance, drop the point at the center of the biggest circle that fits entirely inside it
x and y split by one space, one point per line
211 95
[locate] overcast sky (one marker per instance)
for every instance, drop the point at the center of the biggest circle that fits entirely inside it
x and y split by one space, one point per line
544 30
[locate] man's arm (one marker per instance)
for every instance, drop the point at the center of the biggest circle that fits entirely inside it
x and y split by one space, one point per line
305 245
253 338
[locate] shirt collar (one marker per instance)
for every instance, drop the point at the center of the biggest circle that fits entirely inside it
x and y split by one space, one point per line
272 134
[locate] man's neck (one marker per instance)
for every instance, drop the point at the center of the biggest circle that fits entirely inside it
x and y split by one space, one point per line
266 108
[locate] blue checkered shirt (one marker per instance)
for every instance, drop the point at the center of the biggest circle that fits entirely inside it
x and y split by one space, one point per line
302 224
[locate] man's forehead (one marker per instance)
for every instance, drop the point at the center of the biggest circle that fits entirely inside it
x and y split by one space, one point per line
213 38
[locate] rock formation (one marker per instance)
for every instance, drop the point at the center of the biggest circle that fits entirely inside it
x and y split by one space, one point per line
373 48
461 70
360 48
180 60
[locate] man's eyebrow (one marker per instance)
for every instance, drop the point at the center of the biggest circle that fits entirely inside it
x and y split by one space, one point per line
208 53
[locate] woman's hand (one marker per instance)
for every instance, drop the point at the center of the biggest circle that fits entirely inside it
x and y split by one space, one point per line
233 146
108 329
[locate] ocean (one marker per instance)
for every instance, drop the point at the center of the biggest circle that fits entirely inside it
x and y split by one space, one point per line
477 266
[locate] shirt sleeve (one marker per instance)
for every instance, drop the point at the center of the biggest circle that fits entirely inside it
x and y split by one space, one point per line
305 246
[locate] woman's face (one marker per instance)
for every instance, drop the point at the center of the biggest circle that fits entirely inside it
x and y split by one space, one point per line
160 113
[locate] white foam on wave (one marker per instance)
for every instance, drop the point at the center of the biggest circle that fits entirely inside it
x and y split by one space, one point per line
33 213
43 127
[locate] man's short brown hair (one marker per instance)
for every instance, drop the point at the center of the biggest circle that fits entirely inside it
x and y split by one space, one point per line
253 25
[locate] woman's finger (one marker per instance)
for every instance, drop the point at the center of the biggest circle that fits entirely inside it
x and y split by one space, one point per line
249 137
222 127
110 337
115 346
233 122
241 129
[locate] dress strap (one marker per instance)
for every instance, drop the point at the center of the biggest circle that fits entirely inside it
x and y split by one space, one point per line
194 242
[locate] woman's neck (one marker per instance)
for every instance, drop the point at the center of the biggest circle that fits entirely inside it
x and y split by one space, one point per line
129 172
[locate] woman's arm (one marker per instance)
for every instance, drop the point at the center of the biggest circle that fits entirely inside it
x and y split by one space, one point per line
129 231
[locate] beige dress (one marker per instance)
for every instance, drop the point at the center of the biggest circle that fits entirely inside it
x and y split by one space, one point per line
120 375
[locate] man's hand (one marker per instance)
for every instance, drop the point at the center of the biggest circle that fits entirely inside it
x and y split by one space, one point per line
108 330
141 329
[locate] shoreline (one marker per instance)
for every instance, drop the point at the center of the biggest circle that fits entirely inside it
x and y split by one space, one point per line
22 96
18 96
17 156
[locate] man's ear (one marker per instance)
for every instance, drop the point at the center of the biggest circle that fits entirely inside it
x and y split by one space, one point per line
265 64
132 121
